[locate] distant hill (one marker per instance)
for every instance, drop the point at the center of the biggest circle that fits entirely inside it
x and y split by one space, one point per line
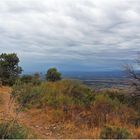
94 75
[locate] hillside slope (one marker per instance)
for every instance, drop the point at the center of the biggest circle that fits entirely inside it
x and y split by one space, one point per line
49 122
39 121
7 110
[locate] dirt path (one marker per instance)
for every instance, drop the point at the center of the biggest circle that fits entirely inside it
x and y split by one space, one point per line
31 119
5 106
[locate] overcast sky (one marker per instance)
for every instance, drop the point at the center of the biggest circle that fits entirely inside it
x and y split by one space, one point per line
70 34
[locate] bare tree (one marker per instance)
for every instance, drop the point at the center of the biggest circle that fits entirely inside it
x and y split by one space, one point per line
134 76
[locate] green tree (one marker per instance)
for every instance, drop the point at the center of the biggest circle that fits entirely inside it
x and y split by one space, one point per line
53 75
9 68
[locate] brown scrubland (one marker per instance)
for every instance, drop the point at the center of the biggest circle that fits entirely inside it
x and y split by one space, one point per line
69 109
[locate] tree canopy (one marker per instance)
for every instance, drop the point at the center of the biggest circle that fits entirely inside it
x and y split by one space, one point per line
9 68
53 75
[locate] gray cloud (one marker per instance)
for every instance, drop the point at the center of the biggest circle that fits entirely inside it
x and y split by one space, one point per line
86 33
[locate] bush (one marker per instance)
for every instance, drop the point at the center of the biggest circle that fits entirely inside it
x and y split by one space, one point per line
35 79
53 75
25 93
115 94
10 131
135 103
107 103
102 108
111 132
55 94
26 79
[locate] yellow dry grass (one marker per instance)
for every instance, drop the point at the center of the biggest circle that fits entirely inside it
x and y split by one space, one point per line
48 122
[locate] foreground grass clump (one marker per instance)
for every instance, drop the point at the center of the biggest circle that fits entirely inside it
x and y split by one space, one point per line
8 130
111 132
55 94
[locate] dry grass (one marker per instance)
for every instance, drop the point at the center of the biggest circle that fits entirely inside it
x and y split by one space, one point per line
48 122
135 132
70 129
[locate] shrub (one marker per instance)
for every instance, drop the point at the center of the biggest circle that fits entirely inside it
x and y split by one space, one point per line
55 94
80 94
111 132
116 94
106 102
102 108
9 130
26 79
53 75
135 103
25 93
35 79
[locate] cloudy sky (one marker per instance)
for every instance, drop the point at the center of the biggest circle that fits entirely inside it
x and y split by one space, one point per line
71 34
